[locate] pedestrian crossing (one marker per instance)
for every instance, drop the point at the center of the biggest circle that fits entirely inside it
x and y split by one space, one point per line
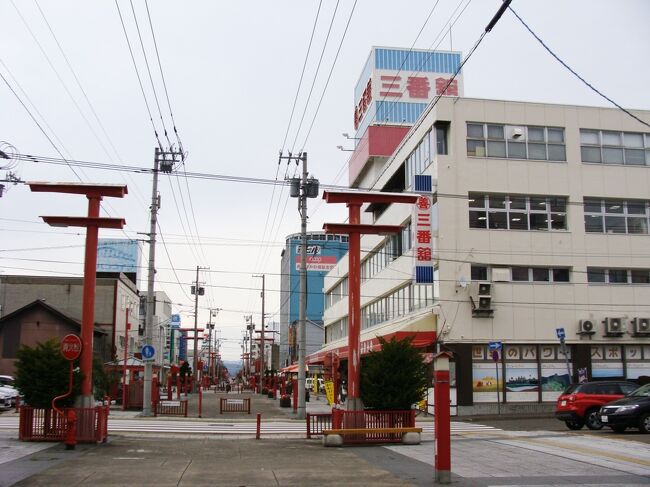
287 428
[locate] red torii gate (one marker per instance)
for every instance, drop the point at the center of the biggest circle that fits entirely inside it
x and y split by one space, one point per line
93 222
355 229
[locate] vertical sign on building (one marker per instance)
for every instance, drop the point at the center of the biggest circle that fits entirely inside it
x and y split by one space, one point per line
421 224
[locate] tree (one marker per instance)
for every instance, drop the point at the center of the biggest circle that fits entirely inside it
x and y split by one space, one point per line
42 374
395 377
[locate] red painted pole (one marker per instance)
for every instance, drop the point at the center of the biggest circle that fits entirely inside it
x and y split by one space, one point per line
442 421
294 390
200 401
88 309
354 311
259 422
178 386
126 356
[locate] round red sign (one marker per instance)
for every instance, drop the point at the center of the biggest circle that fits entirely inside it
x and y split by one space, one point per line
71 347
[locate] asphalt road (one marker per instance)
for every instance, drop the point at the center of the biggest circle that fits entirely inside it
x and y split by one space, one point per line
552 424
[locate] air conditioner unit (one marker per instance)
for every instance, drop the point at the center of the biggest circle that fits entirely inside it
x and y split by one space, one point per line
586 327
641 326
480 295
614 326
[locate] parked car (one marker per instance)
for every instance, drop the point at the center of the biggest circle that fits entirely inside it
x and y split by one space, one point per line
632 411
6 380
5 400
580 404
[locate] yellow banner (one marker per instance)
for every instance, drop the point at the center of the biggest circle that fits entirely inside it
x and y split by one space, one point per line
329 391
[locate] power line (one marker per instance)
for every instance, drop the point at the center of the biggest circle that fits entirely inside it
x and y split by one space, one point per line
135 66
572 71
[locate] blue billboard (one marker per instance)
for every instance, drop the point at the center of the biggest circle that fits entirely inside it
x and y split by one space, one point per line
118 255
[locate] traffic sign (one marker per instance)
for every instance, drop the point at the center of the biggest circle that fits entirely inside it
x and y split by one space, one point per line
495 355
495 345
561 334
71 347
148 352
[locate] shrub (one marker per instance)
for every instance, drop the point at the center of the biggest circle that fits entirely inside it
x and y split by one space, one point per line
42 374
395 377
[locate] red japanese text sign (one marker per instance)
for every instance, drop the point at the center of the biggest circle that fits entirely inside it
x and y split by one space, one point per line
71 347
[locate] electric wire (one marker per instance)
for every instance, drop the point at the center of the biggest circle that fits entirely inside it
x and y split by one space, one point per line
572 71
137 72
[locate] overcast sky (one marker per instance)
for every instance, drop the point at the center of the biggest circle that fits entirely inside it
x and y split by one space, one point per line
232 70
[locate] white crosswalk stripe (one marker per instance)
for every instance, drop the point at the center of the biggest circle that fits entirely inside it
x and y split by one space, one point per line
294 428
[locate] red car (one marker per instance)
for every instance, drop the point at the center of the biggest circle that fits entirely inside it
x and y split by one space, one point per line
579 404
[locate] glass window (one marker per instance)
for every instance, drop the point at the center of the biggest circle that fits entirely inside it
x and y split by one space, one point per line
475 130
560 275
635 157
632 140
558 204
558 221
614 224
556 152
517 203
640 276
475 148
476 200
536 134
636 224
540 274
590 154
555 135
636 207
477 219
613 206
497 149
589 137
497 201
594 223
520 274
495 131
611 138
593 206
479 273
618 276
538 221
518 221
498 220
537 151
595 275
612 155
516 150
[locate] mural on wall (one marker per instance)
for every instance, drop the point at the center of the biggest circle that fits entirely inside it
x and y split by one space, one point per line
555 377
484 378
521 378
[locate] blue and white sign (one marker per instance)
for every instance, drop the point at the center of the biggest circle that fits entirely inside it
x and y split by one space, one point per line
561 334
148 352
494 346
118 255
176 321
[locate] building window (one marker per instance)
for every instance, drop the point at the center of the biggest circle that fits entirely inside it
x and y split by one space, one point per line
598 275
418 160
616 216
504 212
610 147
516 142
442 129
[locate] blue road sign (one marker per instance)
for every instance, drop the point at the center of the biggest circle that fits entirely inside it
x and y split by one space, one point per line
494 345
560 333
148 352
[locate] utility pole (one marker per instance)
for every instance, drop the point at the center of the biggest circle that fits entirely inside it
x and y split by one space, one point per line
162 162
262 361
197 290
302 188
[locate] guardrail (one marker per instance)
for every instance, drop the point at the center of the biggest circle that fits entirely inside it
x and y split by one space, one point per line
229 405
316 423
170 408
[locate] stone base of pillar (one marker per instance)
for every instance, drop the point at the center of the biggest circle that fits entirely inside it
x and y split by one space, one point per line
353 404
411 438
443 477
332 440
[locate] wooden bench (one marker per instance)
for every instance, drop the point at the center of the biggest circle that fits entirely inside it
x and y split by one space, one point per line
380 432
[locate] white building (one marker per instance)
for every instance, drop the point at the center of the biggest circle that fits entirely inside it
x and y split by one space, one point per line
548 205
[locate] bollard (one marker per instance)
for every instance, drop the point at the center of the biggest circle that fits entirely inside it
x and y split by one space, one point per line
71 430
259 421
200 402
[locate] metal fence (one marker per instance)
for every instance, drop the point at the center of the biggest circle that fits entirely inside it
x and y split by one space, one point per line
316 423
171 408
46 425
228 405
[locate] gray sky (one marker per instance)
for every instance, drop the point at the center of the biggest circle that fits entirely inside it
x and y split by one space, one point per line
232 71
